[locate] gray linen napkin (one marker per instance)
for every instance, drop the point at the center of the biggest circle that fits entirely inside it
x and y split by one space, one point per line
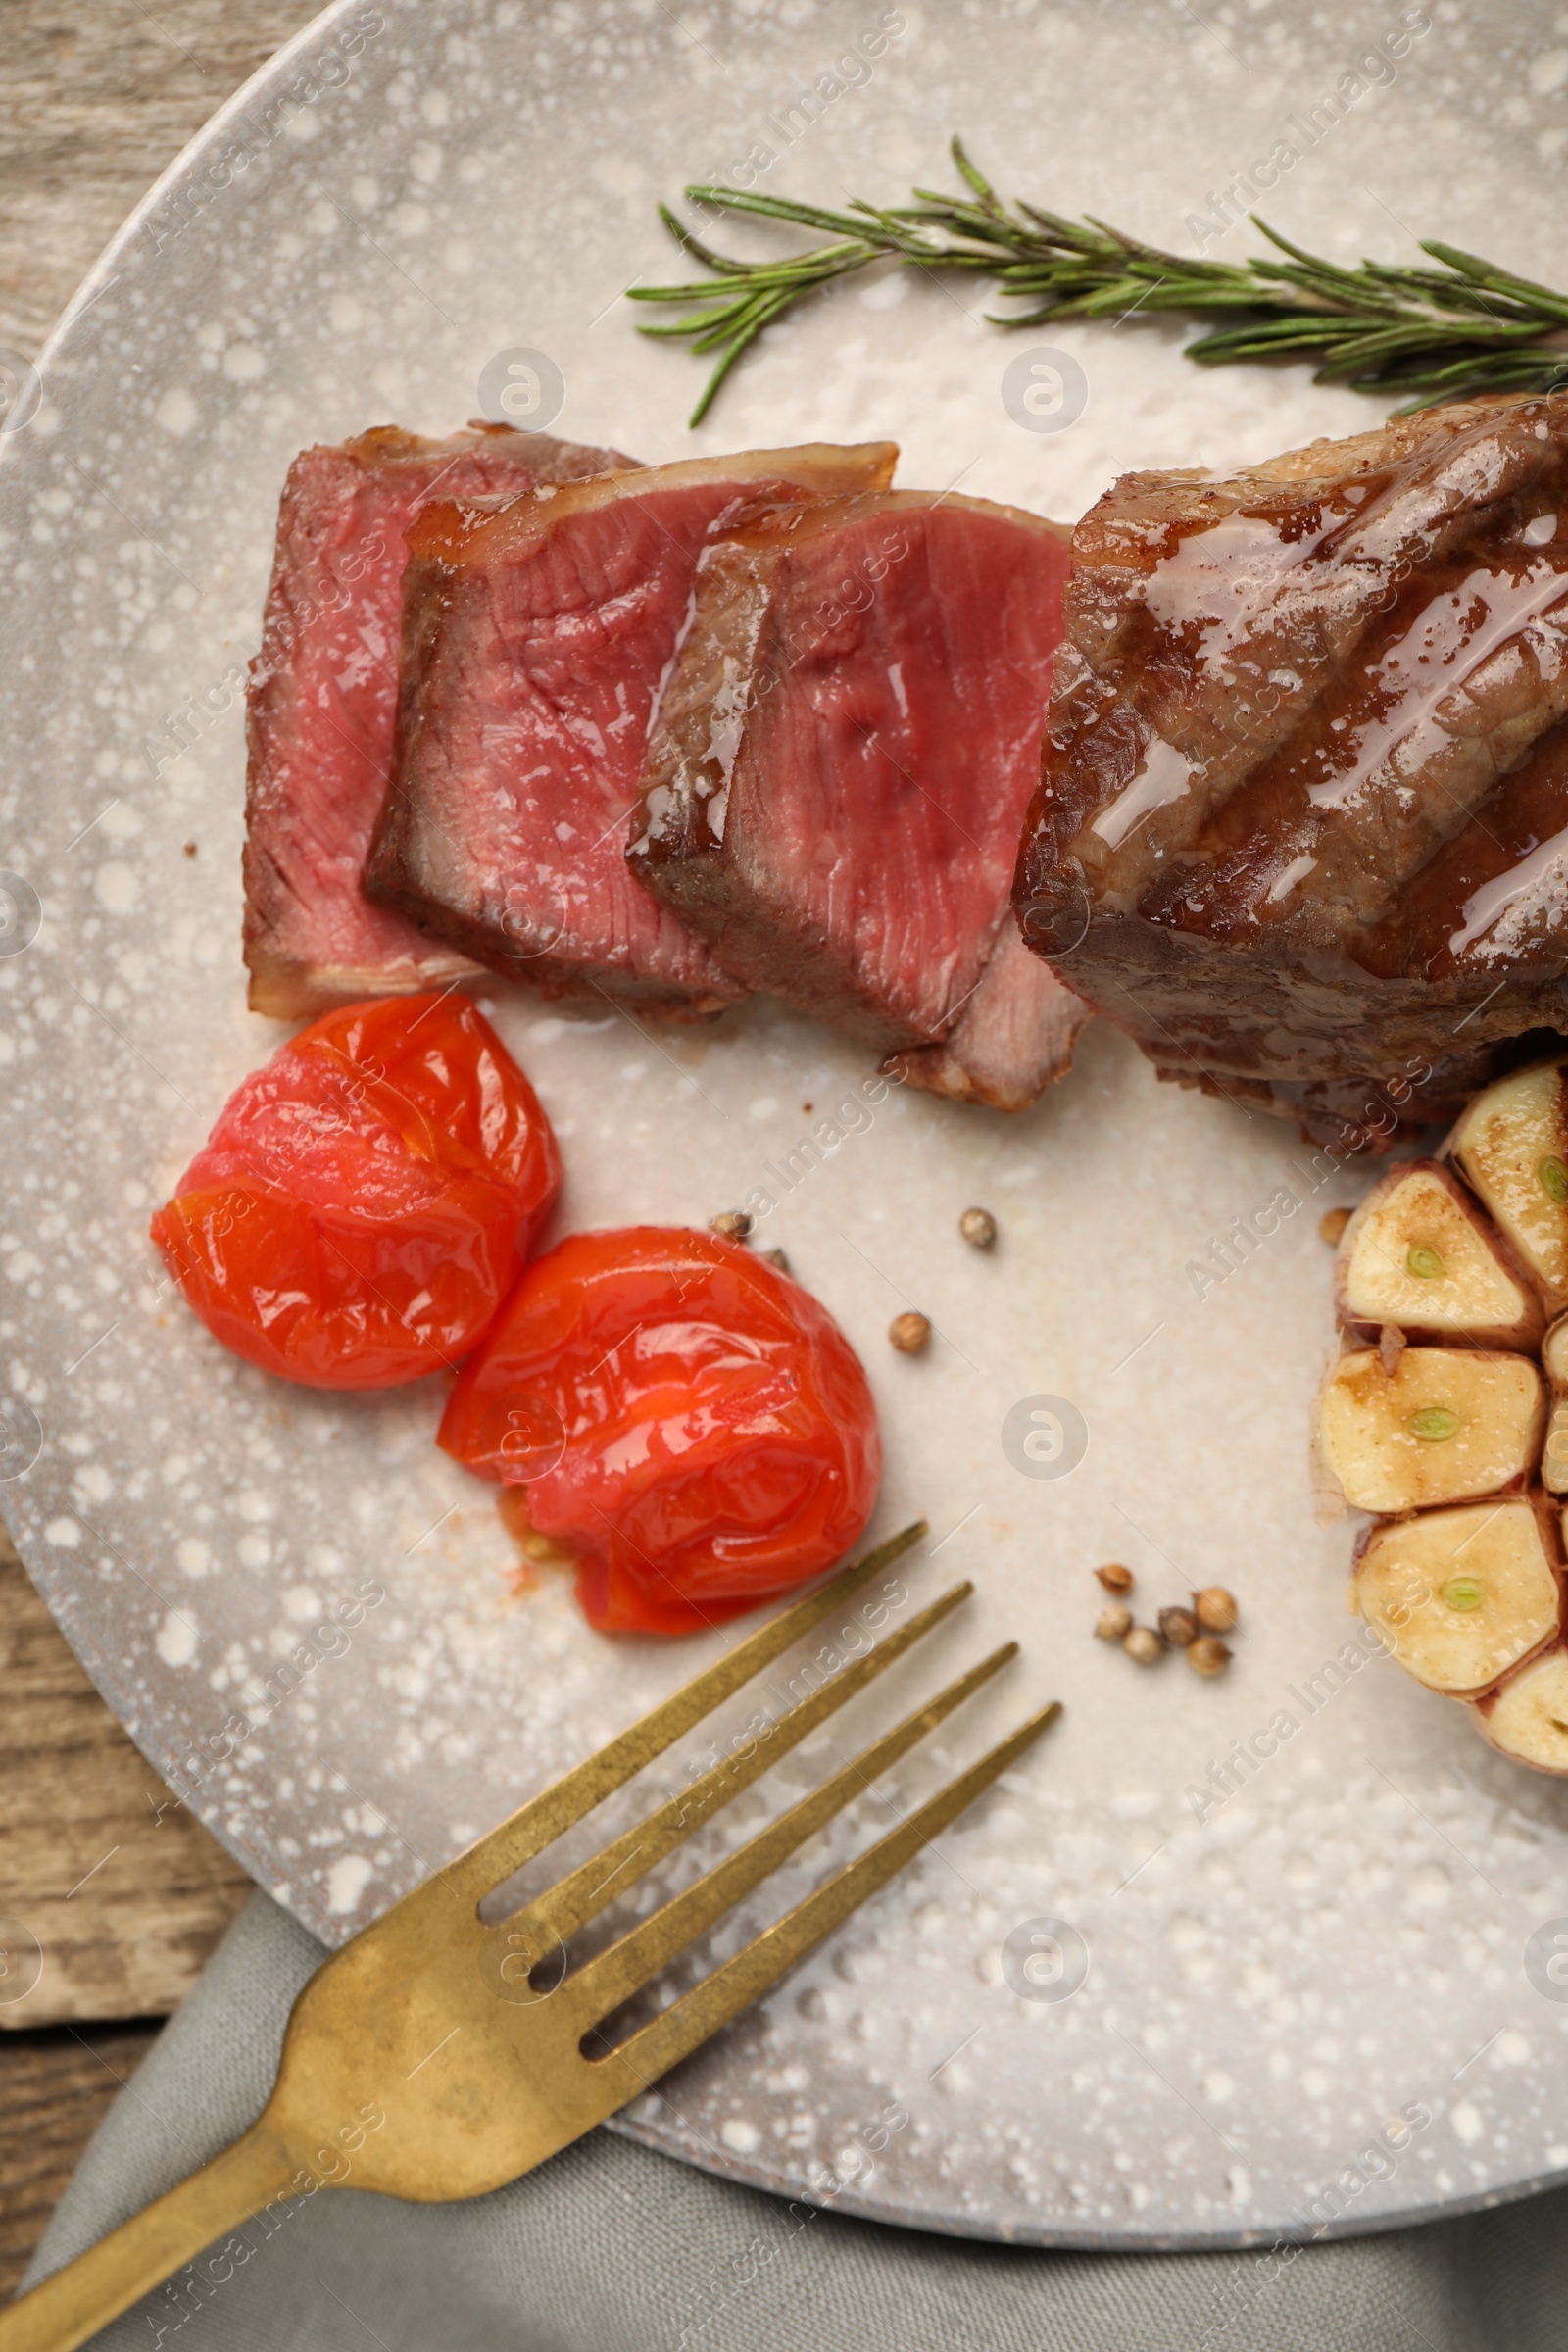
611 2248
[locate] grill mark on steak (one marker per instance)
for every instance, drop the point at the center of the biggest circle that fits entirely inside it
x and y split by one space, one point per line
321 707
538 640
1505 876
1301 720
1390 765
843 757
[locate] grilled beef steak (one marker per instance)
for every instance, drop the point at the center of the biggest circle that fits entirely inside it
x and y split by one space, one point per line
844 755
1303 819
322 706
536 642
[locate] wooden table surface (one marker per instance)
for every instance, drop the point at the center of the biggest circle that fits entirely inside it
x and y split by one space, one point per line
124 1891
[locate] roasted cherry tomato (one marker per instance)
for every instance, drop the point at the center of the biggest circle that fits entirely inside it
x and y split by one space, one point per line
365 1201
690 1421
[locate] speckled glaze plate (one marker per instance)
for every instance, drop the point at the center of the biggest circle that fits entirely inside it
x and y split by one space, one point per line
1225 1961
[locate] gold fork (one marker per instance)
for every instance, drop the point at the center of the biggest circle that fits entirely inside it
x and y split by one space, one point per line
441 2053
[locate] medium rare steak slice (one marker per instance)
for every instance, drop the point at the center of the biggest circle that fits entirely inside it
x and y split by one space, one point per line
536 643
1013 1036
1303 819
843 760
322 706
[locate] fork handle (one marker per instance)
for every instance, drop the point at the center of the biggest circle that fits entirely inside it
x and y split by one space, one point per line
74 2303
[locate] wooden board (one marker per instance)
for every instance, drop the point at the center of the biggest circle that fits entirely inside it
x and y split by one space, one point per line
56 2087
123 1889
97 100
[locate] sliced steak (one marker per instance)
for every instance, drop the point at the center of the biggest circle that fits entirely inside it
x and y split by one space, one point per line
1013 1036
843 760
1303 819
322 706
537 639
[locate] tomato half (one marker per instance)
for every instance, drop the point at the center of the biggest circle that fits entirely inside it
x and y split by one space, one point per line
693 1423
364 1202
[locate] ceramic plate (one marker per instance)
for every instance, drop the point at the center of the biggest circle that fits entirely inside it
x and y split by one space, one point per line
1222 1960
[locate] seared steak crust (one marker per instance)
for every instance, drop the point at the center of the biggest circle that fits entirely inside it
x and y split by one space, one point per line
1303 817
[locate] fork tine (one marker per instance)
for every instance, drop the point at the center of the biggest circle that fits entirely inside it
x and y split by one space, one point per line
689 2021
617 1972
541 1821
604 1877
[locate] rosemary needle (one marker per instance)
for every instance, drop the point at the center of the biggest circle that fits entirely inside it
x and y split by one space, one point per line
1446 334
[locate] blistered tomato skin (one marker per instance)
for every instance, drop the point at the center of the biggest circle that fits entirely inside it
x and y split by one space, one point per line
691 1422
365 1201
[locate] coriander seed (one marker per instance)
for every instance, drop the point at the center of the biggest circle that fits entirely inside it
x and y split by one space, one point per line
1215 1609
1114 1577
978 1228
731 1225
1330 1225
1111 1625
911 1333
1207 1655
1144 1646
1179 1626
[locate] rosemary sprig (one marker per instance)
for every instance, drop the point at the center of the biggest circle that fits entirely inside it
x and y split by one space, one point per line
1437 335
